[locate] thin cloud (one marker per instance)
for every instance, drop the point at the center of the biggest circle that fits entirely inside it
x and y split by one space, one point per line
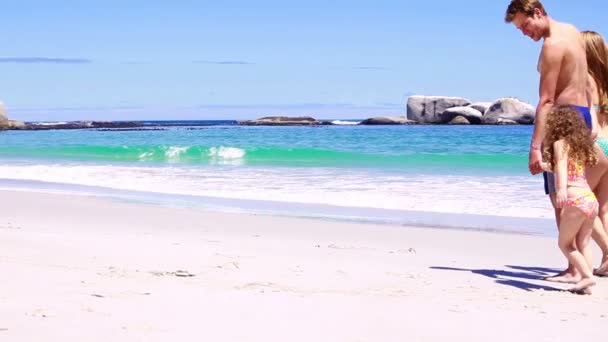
77 109
291 105
388 104
44 60
225 62
371 68
134 63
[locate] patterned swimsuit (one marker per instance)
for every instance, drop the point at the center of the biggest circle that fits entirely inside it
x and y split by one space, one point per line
586 202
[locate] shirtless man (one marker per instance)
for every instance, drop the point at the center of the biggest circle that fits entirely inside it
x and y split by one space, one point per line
563 81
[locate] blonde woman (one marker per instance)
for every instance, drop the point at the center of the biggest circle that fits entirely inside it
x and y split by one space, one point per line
597 176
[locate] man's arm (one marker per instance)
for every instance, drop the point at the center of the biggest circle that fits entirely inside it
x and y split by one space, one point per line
560 156
550 66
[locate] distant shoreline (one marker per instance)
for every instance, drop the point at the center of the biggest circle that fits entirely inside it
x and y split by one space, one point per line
163 124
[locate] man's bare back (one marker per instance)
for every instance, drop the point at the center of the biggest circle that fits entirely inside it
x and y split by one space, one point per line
565 41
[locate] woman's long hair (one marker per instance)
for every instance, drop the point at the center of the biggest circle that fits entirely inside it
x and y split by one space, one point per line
597 62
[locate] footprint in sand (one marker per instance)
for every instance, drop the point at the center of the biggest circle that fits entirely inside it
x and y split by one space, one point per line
404 251
334 246
178 273
40 313
265 286
229 265
9 226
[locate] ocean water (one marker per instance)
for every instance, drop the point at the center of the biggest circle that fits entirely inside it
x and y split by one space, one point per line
472 177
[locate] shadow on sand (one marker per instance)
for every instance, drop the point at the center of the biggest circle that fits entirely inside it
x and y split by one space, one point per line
518 272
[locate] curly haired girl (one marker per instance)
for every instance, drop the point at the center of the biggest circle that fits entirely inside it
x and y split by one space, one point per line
568 150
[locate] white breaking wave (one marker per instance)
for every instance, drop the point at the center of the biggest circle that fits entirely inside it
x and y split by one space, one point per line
50 123
517 196
344 123
173 153
144 156
226 155
226 152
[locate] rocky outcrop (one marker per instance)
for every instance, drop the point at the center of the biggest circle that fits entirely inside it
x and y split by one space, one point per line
282 121
4 124
506 122
388 120
471 114
460 120
13 124
481 106
430 109
507 110
443 110
81 125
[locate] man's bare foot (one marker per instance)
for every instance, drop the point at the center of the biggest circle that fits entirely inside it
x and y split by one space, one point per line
602 271
565 277
586 291
583 285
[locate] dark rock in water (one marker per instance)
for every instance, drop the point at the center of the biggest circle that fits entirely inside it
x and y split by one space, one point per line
81 125
472 115
130 129
460 120
282 121
388 120
116 124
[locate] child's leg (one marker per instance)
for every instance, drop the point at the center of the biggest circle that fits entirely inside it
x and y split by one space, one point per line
570 275
583 241
571 223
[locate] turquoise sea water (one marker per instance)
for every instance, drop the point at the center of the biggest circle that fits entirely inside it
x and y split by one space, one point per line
363 170
413 148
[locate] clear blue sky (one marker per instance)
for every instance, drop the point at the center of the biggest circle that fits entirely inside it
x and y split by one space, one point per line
132 60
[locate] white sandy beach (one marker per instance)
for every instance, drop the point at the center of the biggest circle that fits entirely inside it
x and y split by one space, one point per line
93 269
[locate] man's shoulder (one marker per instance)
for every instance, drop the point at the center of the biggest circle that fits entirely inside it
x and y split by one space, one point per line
553 45
571 28
563 26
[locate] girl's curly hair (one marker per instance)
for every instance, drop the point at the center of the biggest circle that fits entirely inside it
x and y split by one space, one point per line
565 122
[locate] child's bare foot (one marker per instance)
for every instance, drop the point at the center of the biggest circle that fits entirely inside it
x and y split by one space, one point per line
565 277
583 286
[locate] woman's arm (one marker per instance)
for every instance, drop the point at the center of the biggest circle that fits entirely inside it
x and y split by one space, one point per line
592 99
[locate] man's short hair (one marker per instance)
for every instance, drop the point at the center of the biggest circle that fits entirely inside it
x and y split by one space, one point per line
526 7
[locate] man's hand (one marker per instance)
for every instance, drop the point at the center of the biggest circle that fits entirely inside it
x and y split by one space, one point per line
545 166
535 162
